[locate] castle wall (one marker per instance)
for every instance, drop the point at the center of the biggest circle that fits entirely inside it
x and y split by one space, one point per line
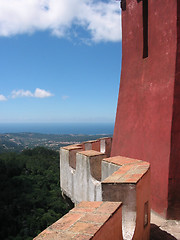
145 128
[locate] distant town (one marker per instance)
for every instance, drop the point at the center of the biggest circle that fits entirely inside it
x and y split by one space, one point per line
17 142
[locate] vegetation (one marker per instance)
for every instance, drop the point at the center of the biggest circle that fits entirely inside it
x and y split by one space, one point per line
16 142
30 197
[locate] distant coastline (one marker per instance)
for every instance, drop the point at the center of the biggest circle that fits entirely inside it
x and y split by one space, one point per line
58 128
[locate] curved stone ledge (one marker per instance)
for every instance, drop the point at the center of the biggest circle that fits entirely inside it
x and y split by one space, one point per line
128 170
129 184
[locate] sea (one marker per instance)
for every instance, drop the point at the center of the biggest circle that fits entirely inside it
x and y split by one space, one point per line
58 128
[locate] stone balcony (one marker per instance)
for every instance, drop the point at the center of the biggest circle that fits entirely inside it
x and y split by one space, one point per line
88 173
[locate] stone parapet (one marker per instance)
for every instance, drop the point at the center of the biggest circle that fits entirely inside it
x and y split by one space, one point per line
80 169
88 220
82 183
88 175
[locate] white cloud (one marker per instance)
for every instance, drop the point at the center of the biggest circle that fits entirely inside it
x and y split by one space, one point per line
21 93
2 98
101 19
39 93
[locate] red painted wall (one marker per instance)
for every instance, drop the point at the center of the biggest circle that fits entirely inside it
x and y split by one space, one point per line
174 170
147 110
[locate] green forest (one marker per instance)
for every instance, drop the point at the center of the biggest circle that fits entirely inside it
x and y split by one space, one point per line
30 199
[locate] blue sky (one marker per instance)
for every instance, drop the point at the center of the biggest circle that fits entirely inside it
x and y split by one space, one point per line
60 60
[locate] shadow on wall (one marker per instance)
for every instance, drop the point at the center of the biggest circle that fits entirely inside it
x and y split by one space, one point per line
157 234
